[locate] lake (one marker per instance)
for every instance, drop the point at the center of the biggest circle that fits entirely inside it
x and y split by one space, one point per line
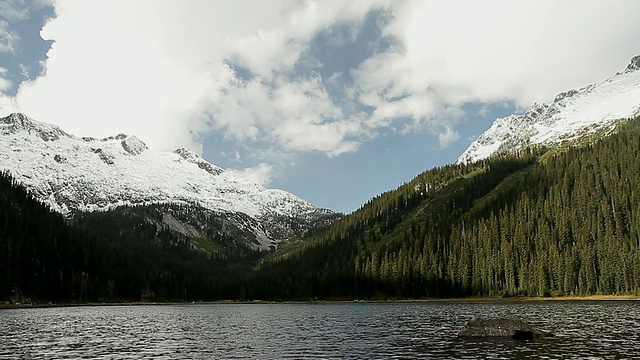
420 330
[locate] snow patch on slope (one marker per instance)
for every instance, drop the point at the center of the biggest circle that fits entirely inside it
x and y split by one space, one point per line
572 114
71 174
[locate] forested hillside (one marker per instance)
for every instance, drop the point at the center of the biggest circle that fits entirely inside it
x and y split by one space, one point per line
534 223
559 222
116 256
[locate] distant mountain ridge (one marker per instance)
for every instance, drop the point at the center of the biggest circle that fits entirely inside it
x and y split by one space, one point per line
572 114
72 174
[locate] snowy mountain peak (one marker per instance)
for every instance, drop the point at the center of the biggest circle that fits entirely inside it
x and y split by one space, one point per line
72 174
634 65
18 122
194 158
572 114
188 155
133 145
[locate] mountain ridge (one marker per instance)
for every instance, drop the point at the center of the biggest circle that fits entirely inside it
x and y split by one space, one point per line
570 115
72 174
536 222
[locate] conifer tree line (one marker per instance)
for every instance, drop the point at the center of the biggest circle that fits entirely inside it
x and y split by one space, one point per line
537 222
113 256
531 223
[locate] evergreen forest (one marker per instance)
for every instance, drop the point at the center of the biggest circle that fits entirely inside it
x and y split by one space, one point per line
533 223
106 257
536 222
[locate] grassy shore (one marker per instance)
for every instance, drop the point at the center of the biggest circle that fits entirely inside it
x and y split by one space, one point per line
539 298
589 298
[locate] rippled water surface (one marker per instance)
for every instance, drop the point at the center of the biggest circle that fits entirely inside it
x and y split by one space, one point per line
584 330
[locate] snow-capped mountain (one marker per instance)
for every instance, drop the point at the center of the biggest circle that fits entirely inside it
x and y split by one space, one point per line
572 114
72 174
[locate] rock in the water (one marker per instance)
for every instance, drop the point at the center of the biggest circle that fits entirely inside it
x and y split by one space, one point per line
513 328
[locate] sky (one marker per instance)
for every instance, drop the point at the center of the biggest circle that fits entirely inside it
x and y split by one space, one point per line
335 101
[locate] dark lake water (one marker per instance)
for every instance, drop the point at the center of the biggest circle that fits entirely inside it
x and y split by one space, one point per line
584 330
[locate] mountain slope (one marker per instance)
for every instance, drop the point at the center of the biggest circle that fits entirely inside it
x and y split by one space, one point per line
72 175
531 222
44 258
571 115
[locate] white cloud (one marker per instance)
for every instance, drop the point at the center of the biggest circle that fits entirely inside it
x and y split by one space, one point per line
456 52
484 110
276 50
4 83
298 115
447 137
261 174
125 71
11 11
7 103
8 38
158 69
140 67
17 9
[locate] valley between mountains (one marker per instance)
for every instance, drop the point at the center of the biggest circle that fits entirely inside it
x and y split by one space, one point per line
543 203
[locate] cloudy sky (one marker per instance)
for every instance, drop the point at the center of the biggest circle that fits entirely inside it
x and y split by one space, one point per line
335 101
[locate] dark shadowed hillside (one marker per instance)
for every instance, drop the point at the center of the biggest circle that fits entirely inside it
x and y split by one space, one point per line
115 256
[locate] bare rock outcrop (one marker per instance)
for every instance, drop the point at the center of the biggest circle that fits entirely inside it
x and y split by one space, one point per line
513 328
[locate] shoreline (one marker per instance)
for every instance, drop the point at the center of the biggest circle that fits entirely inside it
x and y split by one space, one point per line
268 302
